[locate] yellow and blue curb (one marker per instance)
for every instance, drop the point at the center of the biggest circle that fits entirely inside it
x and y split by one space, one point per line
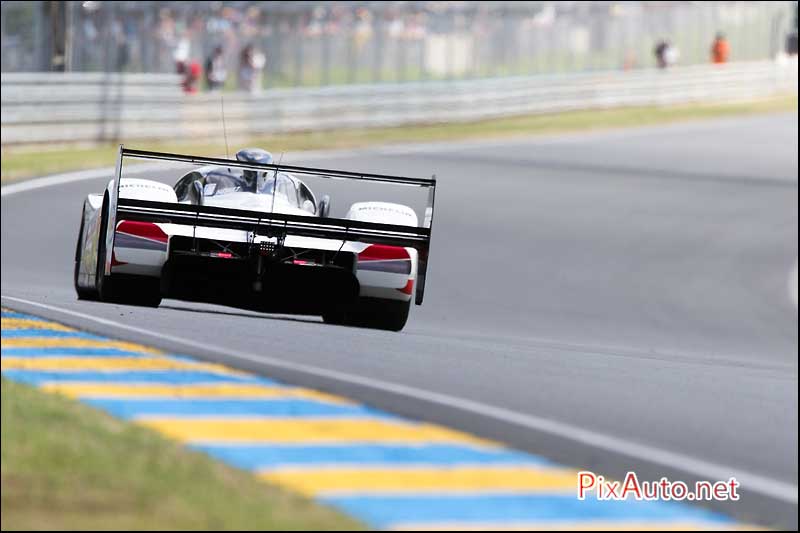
388 471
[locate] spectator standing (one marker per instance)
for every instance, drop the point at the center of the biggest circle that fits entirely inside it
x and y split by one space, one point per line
661 53
191 77
666 54
251 62
215 70
720 49
181 56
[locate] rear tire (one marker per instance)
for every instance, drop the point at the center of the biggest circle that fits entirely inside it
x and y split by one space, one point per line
391 315
102 282
337 317
373 313
83 293
134 290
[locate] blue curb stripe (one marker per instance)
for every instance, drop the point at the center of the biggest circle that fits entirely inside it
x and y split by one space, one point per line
376 509
132 408
103 353
143 376
31 332
14 314
248 457
384 511
31 352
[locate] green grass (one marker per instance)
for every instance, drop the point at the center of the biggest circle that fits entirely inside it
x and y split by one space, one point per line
68 466
23 162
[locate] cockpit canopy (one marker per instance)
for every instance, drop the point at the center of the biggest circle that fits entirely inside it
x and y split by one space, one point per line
216 181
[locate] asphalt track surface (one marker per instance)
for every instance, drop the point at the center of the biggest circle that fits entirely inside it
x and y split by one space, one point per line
614 301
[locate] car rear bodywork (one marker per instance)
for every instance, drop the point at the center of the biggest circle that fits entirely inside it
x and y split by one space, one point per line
287 261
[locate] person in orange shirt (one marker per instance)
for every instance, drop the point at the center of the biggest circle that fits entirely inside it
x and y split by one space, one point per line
720 50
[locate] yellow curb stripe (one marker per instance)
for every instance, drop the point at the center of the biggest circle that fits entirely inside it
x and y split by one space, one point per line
194 391
331 479
24 323
511 478
50 342
307 431
106 363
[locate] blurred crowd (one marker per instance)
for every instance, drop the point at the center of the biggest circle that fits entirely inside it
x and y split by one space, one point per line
215 72
235 31
667 54
245 45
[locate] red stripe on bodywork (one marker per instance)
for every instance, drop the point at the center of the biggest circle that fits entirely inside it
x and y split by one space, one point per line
380 252
146 230
408 288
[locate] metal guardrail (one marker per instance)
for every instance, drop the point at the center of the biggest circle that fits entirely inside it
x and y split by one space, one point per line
85 108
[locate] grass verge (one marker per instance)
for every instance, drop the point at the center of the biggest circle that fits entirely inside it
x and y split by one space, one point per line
24 162
68 466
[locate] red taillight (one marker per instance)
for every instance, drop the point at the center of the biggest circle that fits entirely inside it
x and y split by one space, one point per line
408 288
223 255
146 230
380 252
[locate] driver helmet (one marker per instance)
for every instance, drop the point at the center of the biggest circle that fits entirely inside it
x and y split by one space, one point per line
253 155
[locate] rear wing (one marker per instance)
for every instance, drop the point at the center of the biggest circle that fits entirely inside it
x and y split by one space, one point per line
275 224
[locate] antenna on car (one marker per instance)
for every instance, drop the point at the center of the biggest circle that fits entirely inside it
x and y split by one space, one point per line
275 184
224 128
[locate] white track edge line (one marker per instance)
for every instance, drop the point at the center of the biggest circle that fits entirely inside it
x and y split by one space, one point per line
69 177
96 173
712 471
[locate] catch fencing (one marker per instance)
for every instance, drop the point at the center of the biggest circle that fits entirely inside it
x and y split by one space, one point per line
100 108
330 43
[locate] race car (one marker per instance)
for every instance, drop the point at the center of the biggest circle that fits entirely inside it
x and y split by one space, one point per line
250 233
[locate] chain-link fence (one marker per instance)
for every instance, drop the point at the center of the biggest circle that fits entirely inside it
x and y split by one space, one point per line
322 43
